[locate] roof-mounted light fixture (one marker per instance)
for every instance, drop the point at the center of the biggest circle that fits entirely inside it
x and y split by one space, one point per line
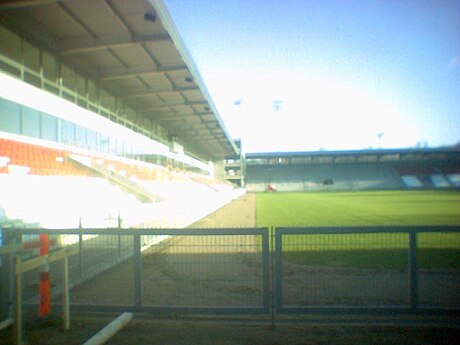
150 17
189 79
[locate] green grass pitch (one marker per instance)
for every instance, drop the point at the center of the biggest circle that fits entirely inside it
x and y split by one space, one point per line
381 250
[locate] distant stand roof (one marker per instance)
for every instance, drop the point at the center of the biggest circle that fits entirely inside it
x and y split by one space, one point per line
452 153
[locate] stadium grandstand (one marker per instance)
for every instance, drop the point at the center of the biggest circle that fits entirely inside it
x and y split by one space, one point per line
103 115
385 169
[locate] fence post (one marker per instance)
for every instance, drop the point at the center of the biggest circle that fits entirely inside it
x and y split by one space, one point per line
5 274
80 250
18 304
271 251
278 271
65 294
137 271
413 275
119 238
13 237
266 269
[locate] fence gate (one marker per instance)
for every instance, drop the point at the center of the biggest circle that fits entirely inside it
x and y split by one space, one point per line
367 269
160 270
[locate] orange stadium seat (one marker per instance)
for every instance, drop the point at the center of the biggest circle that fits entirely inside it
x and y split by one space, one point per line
41 160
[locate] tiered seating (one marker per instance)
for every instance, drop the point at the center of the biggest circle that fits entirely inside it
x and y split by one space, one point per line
452 174
131 170
428 177
439 181
299 177
415 176
411 181
91 200
144 171
35 159
454 179
350 177
287 178
257 177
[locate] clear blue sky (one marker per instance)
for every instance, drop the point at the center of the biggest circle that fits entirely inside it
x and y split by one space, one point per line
346 74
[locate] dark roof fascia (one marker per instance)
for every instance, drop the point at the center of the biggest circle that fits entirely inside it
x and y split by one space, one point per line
376 152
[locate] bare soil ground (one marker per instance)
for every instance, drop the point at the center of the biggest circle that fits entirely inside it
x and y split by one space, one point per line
162 271
204 332
239 213
190 270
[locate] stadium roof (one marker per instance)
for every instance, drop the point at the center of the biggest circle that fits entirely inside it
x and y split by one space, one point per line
133 50
450 153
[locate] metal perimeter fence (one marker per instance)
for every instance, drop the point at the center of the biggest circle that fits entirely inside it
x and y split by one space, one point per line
245 270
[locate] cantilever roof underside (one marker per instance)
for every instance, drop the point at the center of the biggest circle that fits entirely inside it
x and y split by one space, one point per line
132 49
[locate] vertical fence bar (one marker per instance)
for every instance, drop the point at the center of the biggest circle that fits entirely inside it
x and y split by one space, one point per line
278 270
119 239
118 248
18 316
266 269
413 276
5 275
65 294
80 251
137 271
271 233
12 237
